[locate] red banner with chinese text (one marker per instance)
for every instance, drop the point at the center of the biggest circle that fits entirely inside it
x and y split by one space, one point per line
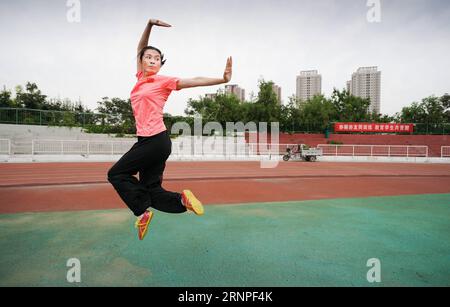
373 127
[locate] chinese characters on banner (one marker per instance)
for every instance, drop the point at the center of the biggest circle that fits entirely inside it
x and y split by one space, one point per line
373 127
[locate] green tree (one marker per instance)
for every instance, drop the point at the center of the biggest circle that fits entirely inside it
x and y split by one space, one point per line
117 115
317 113
32 98
223 108
266 107
415 113
229 109
266 95
5 99
290 115
68 119
267 99
445 100
432 109
350 108
207 108
380 118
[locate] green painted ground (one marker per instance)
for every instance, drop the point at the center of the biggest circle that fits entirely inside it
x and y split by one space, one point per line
308 243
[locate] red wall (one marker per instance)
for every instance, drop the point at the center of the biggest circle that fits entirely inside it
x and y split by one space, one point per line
434 142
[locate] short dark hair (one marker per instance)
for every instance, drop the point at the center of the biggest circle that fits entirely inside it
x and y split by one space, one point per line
141 53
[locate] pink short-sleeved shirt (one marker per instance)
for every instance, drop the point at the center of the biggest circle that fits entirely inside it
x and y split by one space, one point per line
147 100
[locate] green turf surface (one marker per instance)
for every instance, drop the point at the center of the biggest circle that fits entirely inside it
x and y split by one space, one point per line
306 243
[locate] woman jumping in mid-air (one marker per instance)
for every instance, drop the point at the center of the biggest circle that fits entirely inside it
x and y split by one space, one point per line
148 156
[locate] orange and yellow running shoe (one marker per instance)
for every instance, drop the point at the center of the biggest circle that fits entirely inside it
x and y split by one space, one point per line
191 202
142 224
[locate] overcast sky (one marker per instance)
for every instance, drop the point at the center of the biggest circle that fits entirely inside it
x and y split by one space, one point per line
270 39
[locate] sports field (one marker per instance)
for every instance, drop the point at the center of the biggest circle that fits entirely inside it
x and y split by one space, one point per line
300 224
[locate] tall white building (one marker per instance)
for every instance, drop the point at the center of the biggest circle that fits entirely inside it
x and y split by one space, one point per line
236 90
366 83
349 86
277 90
309 83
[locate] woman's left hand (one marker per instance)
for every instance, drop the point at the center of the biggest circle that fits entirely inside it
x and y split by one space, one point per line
228 70
157 22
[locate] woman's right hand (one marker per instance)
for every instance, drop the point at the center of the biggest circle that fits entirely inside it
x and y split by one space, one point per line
157 22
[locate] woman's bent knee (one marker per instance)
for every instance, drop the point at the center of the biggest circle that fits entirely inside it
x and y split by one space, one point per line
111 175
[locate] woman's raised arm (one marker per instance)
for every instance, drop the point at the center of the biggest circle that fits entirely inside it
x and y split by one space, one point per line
146 35
202 81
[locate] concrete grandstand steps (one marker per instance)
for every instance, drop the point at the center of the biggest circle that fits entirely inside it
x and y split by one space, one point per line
42 132
22 136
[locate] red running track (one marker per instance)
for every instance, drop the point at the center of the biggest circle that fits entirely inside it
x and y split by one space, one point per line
83 186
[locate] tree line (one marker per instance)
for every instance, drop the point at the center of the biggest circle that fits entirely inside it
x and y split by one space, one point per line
114 115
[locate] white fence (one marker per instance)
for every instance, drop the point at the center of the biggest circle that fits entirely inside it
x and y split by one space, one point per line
217 148
79 147
227 149
374 150
5 147
445 152
185 148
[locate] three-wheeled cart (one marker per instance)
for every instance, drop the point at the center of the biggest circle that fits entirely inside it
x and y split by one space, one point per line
302 152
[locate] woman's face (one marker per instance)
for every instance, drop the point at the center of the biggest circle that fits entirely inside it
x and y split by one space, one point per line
151 62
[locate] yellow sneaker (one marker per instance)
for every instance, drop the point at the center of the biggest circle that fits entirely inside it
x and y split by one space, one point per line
142 224
191 202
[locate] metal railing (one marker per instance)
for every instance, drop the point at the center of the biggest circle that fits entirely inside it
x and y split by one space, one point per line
87 119
445 152
5 147
190 148
26 116
374 150
80 147
227 149
88 147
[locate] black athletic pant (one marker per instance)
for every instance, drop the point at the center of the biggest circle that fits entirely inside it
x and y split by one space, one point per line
148 157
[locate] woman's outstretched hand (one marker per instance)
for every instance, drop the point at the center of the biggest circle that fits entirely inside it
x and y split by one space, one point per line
228 70
156 22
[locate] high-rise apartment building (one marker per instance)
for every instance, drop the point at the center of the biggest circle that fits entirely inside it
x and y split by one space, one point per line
366 83
277 90
309 83
236 90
